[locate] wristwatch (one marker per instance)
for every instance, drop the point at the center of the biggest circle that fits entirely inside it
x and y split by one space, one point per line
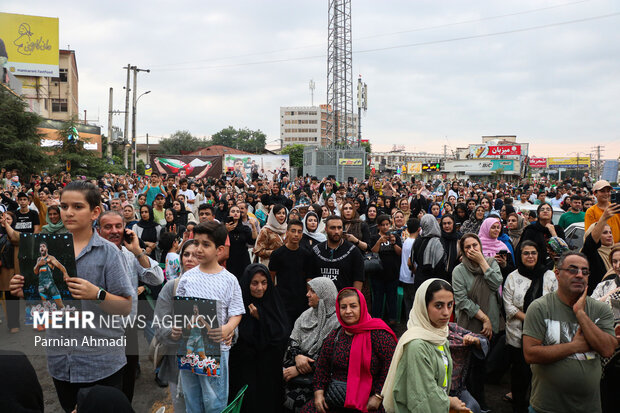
101 294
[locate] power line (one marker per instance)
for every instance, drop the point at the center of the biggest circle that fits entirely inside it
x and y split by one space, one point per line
426 43
419 29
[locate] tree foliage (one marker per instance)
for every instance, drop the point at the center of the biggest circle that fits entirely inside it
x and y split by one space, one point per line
19 140
243 139
181 140
296 156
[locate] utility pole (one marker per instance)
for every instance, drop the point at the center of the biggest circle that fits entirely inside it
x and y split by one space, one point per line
148 155
133 113
110 115
445 152
126 132
312 86
599 165
362 103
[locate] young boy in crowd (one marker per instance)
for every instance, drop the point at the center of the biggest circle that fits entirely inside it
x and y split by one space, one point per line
104 287
211 281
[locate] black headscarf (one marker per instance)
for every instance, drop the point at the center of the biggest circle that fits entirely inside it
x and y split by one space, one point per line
458 219
450 242
221 214
149 227
20 390
535 275
272 327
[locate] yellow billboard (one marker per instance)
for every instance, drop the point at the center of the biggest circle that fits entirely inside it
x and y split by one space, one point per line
350 162
568 162
30 44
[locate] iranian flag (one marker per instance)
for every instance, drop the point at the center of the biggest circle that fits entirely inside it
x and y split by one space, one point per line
175 165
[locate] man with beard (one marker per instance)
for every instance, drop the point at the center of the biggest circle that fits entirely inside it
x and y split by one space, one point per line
338 259
564 335
140 268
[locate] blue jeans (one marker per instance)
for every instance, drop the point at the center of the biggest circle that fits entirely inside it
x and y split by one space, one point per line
379 289
206 394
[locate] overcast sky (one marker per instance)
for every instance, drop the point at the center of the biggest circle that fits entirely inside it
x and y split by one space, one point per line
220 63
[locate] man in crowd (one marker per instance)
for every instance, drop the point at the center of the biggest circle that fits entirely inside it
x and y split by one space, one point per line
27 220
564 335
159 213
602 192
140 267
338 259
574 214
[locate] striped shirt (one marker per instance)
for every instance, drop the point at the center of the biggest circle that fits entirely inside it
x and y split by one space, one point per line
222 286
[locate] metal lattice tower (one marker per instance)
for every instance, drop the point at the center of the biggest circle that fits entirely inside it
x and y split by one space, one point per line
339 74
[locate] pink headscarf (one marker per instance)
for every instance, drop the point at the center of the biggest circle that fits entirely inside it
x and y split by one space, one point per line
359 379
490 246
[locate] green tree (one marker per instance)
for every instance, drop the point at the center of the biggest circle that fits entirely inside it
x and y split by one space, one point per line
180 140
19 140
244 139
296 157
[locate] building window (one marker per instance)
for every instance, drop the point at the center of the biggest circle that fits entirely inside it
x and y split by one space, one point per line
62 76
59 105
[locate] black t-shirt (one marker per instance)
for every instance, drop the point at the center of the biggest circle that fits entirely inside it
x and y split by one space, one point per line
597 266
25 222
343 266
292 268
389 258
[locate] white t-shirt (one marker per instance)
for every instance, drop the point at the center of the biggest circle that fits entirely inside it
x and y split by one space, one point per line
188 193
405 273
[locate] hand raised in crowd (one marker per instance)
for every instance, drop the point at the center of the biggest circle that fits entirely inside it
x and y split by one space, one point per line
476 256
231 225
134 245
501 260
551 229
610 211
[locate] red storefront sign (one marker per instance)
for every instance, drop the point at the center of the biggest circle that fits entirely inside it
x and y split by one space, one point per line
538 162
504 150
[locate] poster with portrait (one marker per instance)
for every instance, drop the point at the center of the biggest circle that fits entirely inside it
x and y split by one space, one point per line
198 351
46 261
250 167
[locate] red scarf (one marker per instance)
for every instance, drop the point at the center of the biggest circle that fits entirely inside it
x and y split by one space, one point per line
359 379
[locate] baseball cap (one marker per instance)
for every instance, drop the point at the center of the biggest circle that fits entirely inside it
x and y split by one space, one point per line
159 195
600 185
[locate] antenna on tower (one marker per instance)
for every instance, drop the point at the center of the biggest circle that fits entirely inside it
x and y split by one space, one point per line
312 86
339 74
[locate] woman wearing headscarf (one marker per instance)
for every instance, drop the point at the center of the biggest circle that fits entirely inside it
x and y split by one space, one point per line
460 215
449 239
531 280
271 236
171 223
306 340
148 231
353 359
256 357
371 219
20 390
543 229
515 224
428 252
489 234
476 283
473 224
420 374
129 215
221 210
54 222
312 231
435 210
102 399
239 235
355 230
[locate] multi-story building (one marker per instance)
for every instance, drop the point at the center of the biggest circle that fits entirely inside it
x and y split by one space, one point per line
54 98
307 125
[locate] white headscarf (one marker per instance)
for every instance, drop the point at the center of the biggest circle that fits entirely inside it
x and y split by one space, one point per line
317 234
274 225
419 326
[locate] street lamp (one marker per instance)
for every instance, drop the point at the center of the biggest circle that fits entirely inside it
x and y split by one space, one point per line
135 142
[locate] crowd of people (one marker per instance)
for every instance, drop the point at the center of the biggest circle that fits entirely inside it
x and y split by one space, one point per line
315 277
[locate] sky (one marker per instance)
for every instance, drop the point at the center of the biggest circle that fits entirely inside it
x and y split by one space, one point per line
438 72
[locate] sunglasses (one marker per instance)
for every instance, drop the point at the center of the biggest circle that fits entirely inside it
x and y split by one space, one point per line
529 253
575 270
